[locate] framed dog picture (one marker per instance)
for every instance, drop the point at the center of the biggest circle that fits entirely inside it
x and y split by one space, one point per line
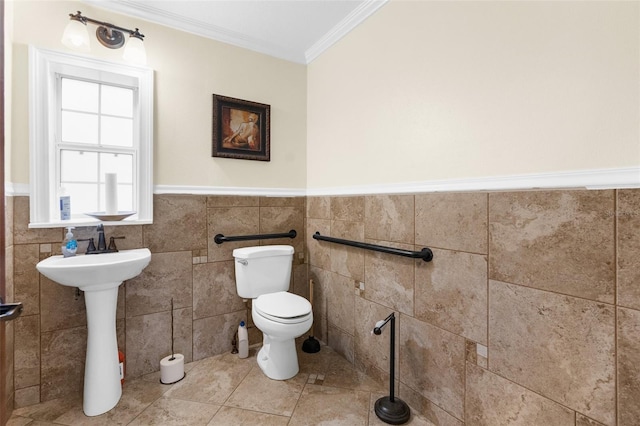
241 129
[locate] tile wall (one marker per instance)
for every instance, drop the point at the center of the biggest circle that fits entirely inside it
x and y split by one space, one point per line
529 313
186 265
6 357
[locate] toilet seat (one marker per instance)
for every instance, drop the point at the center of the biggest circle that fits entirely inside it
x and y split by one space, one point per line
283 307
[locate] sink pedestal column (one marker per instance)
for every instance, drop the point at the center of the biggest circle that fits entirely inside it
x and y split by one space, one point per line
102 388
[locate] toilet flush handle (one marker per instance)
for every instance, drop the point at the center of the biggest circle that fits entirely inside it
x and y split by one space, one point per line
245 262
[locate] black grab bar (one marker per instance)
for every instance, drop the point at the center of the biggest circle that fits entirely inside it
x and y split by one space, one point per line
219 238
425 254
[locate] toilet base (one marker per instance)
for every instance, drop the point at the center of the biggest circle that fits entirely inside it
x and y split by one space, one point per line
278 359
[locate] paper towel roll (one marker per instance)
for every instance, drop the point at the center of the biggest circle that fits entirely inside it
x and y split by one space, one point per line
172 370
111 193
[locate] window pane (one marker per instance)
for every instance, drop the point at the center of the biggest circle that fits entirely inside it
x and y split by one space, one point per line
117 101
79 127
78 166
116 131
84 198
79 95
121 164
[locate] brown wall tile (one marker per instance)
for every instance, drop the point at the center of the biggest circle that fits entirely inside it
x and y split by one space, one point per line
341 303
278 220
561 241
169 275
214 289
229 222
628 367
390 218
63 356
347 208
628 217
27 351
345 260
213 335
26 277
492 400
389 279
451 293
319 251
432 363
319 207
53 297
428 409
456 221
341 342
21 232
148 341
179 223
559 346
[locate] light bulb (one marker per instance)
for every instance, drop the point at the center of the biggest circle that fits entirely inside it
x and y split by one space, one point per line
134 51
76 36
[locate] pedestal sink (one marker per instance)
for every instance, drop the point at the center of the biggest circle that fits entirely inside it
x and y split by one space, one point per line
99 276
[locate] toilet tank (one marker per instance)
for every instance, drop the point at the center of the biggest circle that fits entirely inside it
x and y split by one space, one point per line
262 269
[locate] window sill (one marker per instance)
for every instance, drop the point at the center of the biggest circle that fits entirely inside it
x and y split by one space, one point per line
89 222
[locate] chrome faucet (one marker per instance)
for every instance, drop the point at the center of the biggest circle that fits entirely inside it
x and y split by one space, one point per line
102 244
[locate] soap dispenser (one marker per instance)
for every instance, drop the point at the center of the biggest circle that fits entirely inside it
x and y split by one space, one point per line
69 245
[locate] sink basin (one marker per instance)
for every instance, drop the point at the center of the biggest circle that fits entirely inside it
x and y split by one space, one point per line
99 276
95 271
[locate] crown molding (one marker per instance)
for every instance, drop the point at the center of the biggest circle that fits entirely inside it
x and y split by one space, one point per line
200 28
355 18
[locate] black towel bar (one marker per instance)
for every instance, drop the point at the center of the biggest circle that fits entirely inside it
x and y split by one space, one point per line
219 238
425 254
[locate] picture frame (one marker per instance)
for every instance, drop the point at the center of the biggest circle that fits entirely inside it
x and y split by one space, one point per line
241 129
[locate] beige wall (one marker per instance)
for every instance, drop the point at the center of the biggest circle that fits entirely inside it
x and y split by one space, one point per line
188 70
443 90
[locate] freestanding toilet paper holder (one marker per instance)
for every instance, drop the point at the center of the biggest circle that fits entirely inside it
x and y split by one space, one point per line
172 367
390 409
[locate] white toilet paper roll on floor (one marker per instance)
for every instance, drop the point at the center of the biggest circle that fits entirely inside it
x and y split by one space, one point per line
171 370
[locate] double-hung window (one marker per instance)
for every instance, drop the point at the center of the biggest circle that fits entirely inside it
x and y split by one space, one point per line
88 118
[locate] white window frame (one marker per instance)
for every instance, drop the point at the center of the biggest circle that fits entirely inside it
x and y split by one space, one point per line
45 67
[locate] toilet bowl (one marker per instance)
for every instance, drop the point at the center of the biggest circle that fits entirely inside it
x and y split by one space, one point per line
281 317
263 274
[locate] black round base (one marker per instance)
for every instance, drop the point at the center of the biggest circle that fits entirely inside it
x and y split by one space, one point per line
395 412
311 345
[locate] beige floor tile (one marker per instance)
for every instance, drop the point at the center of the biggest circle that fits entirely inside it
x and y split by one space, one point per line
136 396
213 380
228 416
257 392
328 405
167 412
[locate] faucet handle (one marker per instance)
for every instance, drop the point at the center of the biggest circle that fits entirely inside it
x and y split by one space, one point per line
91 247
112 243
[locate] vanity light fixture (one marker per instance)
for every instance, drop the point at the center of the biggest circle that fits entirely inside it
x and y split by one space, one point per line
111 36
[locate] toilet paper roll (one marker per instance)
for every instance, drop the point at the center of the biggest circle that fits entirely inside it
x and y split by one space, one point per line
172 370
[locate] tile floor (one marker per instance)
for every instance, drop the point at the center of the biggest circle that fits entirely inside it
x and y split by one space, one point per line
226 390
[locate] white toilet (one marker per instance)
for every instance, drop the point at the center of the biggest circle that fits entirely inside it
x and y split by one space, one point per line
263 274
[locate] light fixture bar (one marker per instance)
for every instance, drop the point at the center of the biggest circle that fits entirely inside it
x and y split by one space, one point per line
84 19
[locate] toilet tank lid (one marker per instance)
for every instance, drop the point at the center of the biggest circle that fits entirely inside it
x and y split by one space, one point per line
262 251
